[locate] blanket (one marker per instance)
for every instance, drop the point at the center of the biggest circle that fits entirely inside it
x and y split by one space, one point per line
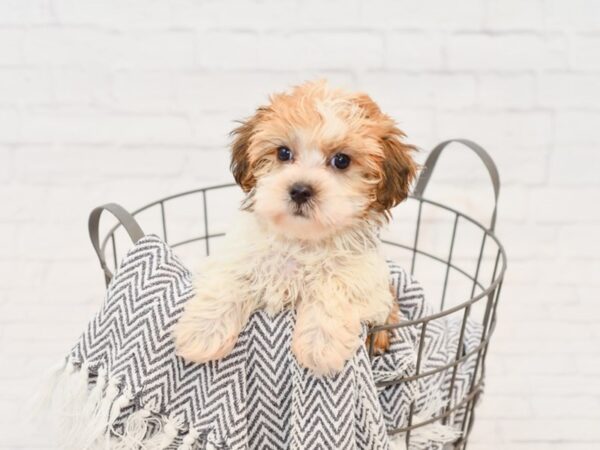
123 387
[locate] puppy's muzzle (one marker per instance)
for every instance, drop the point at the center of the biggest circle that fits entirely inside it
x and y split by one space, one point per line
300 193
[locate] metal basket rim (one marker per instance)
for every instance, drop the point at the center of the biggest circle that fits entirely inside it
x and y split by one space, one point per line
498 276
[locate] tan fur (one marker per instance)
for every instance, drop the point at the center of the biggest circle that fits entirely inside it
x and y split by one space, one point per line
321 258
381 338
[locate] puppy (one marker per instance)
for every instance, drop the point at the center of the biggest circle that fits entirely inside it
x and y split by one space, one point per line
321 169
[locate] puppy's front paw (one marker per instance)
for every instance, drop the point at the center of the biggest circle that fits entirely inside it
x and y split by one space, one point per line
382 338
381 341
323 352
200 337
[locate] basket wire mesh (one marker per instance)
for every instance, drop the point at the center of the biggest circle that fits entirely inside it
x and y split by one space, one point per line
486 252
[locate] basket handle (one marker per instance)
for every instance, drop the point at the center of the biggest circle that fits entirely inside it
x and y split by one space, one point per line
479 151
129 223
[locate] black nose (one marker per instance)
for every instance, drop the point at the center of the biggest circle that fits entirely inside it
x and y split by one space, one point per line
300 193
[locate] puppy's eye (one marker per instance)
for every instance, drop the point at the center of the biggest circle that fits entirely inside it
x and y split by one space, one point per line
284 154
340 161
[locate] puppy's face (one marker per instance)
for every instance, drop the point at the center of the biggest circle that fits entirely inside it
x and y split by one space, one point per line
316 161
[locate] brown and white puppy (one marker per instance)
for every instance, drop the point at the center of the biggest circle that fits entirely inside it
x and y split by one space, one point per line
321 168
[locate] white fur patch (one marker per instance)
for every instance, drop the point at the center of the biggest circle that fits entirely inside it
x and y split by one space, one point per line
334 284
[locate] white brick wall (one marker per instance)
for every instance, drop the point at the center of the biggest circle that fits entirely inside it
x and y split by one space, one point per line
131 100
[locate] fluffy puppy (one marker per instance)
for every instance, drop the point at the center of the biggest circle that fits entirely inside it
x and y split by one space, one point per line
321 168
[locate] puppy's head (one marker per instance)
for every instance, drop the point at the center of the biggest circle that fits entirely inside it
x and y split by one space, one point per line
318 160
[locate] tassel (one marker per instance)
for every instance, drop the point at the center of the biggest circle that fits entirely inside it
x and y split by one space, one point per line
99 422
69 398
90 410
189 440
120 402
112 391
41 402
164 438
135 430
95 396
79 392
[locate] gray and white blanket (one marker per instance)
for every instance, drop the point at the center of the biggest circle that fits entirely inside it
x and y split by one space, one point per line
123 387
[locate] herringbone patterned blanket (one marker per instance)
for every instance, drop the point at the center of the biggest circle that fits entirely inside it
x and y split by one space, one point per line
123 386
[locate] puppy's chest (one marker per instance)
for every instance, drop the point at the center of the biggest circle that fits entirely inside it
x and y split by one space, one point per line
278 268
286 281
287 278
292 269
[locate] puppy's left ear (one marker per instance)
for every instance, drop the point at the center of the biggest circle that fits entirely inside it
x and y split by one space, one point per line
398 170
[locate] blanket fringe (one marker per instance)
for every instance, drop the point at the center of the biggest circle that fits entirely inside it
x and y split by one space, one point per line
165 437
189 440
72 390
135 430
84 416
98 422
41 401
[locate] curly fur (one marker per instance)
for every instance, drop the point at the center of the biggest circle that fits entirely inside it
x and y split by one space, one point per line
322 257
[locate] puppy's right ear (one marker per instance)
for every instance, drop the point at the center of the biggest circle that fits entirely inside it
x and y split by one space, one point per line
241 165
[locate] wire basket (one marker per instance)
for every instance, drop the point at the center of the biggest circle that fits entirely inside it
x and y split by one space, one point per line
454 256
